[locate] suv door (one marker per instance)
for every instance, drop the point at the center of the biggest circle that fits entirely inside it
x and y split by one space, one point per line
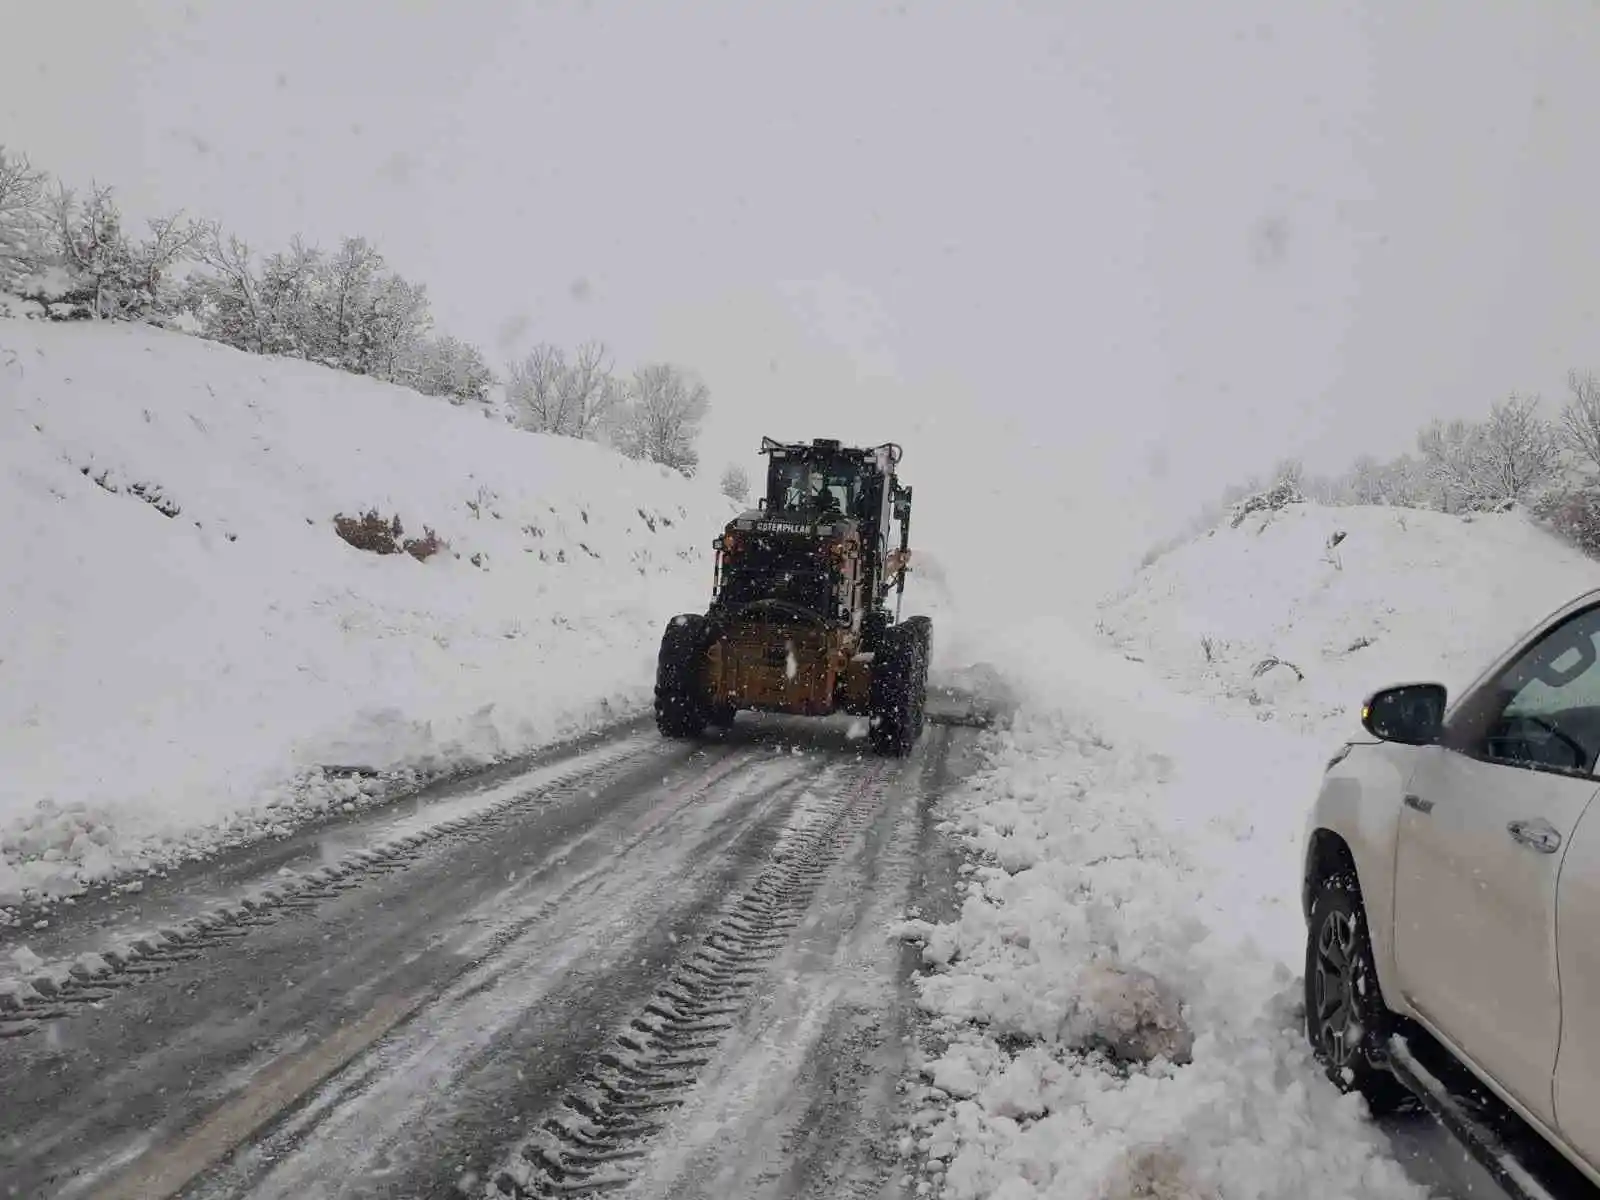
1482 832
1577 1084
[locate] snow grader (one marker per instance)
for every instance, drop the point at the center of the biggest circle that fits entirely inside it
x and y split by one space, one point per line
799 620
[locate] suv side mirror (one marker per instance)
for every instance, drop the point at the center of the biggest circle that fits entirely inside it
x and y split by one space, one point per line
1411 714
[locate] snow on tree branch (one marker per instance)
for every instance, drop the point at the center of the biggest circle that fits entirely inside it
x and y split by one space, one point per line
1580 419
68 256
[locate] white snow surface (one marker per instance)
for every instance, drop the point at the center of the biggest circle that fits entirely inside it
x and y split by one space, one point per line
1404 595
1138 832
169 683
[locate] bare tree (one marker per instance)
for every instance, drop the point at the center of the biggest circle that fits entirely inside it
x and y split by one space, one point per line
533 388
1580 419
573 398
662 419
735 484
588 391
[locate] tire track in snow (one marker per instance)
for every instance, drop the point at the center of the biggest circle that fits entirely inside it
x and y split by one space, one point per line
804 1098
603 1123
26 1006
415 1104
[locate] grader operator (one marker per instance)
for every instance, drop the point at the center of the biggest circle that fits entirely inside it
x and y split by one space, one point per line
799 620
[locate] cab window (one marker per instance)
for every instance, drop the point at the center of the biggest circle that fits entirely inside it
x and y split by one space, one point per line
800 486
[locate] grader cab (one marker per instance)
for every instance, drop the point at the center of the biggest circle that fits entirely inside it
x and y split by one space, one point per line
799 620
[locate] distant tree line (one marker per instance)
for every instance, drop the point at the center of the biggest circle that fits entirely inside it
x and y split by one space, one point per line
65 256
1514 456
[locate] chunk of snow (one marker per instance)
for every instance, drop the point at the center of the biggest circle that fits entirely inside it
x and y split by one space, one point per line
26 960
91 965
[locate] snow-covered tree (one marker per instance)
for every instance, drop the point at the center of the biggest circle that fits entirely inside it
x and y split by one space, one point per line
1483 465
23 226
394 321
1399 481
1521 452
735 483
344 302
447 366
227 296
661 420
1290 471
109 275
291 282
1450 456
92 249
1580 419
69 256
173 239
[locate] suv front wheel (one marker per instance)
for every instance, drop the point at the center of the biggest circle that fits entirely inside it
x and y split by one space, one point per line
1346 1018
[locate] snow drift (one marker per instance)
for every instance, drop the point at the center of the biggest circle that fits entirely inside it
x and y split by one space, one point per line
189 642
1300 612
1117 1003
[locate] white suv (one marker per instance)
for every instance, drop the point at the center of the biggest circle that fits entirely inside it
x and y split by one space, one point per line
1452 878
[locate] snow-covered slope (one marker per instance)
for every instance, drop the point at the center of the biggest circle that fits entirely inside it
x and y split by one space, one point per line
1119 993
1353 598
187 640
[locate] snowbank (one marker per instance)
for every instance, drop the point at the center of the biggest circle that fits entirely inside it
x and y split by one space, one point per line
1116 1001
1117 1004
1349 598
188 642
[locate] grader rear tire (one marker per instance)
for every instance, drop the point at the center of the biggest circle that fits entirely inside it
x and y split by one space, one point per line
682 707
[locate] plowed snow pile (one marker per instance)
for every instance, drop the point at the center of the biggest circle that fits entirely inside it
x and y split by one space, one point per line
1117 1003
188 643
1348 598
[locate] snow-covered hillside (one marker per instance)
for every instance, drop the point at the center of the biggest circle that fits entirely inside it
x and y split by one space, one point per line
1119 994
187 640
1299 612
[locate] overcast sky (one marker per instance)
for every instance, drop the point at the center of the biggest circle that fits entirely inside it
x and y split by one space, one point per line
1089 262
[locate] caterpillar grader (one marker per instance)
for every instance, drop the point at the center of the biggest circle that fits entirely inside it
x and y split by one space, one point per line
799 620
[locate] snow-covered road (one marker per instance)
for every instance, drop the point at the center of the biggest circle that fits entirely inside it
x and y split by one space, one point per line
411 1019
629 963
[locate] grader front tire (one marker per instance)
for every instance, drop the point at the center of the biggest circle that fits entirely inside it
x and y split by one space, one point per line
900 687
